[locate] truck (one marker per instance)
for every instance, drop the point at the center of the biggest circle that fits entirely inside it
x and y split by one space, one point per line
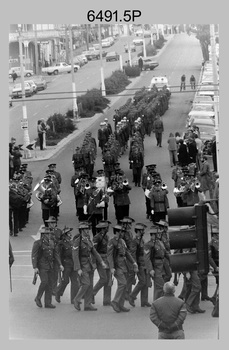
61 67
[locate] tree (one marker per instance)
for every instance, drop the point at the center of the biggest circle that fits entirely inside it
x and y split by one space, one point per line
203 35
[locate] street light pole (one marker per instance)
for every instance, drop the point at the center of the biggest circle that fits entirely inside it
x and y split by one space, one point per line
216 91
144 44
36 50
24 121
101 63
75 107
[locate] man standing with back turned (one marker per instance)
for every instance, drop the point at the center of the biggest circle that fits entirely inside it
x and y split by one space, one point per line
168 314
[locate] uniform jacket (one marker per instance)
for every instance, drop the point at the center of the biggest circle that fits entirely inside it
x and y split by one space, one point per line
121 196
65 249
159 200
44 254
92 197
137 251
117 253
84 254
154 250
158 126
100 242
168 311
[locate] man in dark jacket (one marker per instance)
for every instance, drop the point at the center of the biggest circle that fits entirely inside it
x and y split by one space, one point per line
168 314
158 128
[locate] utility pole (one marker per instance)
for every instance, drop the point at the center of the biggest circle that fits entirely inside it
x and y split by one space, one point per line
144 44
36 51
66 43
75 107
101 63
24 121
216 90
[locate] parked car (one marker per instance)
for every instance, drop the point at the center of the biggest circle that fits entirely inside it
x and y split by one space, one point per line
40 82
105 43
148 63
206 90
207 132
112 56
132 48
32 83
27 72
159 82
17 90
92 55
82 58
60 67
202 99
198 117
138 41
207 107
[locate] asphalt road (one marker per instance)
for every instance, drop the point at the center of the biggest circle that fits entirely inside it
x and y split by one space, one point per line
182 55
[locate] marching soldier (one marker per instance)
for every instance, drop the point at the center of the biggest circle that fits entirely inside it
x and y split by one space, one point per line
78 182
102 135
108 125
128 237
83 254
144 282
56 173
117 254
121 197
44 253
154 255
158 128
77 159
65 249
48 199
56 232
100 241
148 180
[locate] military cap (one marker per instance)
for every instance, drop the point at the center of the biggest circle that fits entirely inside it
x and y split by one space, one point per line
105 119
153 230
83 175
140 226
101 225
119 172
151 166
66 230
45 230
52 165
105 221
117 228
102 123
24 165
49 171
117 164
84 225
93 179
127 219
51 219
157 181
48 178
162 223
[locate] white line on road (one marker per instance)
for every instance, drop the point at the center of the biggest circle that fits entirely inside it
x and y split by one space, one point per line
46 106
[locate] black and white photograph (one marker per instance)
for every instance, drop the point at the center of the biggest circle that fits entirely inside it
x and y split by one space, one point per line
113 180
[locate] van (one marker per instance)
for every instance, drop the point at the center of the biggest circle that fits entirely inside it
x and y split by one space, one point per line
159 82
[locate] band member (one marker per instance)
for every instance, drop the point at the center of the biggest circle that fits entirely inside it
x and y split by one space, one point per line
100 241
94 204
83 253
65 249
44 253
116 255
48 199
80 183
144 282
159 202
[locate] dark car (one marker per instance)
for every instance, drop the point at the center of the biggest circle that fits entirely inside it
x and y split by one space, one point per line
112 56
132 48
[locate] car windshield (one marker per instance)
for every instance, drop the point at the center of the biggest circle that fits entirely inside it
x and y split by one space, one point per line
206 129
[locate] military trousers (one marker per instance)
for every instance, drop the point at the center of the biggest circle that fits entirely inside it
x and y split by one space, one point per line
141 286
158 278
68 275
45 286
193 298
103 282
86 288
158 138
121 278
173 335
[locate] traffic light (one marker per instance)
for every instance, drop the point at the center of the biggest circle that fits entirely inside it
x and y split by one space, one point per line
195 236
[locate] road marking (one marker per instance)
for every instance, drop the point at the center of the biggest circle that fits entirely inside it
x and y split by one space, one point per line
35 113
38 235
46 106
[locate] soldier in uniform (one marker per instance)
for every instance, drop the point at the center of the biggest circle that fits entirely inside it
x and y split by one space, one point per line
56 232
77 159
78 182
116 255
94 204
159 202
108 125
128 237
65 249
83 254
147 185
154 255
158 128
137 250
100 241
56 173
102 135
44 253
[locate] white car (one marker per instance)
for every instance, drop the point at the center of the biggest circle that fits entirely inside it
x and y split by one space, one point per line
27 72
17 90
159 82
207 118
105 43
33 84
138 41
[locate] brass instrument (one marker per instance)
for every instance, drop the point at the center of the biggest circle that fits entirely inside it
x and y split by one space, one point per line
40 190
83 185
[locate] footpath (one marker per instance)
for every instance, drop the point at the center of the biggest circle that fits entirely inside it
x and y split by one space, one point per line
84 124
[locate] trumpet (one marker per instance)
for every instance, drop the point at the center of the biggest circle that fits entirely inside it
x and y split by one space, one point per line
40 190
164 186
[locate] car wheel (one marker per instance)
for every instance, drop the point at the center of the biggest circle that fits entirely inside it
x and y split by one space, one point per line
75 69
56 72
28 74
49 73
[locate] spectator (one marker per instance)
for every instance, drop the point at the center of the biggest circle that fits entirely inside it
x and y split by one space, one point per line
168 314
40 134
140 63
205 175
16 158
183 153
14 76
172 147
